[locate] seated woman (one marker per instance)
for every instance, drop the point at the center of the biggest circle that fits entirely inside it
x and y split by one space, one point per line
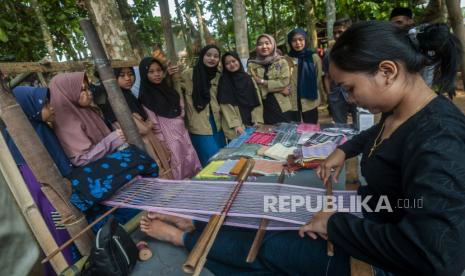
238 96
156 148
306 78
414 153
165 110
203 117
92 147
271 72
36 106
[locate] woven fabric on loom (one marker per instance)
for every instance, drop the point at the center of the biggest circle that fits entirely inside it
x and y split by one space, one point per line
237 142
209 171
200 199
261 138
308 128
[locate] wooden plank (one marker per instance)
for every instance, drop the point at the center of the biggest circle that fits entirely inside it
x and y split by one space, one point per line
45 67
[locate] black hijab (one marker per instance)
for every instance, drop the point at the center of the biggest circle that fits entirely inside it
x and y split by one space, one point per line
201 79
131 100
236 88
160 98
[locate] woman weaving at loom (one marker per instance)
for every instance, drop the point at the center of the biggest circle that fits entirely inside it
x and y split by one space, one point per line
415 152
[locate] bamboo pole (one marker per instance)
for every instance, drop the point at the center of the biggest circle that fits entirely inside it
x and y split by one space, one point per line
27 68
258 240
198 256
28 207
115 95
42 166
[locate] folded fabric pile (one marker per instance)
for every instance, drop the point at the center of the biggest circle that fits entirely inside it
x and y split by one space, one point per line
303 128
279 152
317 152
237 142
209 171
261 138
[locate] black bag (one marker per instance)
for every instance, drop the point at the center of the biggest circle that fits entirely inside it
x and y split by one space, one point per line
113 253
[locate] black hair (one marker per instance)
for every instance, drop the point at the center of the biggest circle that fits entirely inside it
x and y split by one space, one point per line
343 22
398 11
364 45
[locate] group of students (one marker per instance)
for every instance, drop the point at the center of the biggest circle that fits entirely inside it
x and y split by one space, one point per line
415 153
181 129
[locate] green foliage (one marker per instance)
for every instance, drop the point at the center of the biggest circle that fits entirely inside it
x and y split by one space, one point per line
20 33
149 27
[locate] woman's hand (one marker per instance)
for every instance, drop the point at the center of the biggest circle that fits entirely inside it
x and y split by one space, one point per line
331 166
172 69
120 134
286 91
317 226
239 130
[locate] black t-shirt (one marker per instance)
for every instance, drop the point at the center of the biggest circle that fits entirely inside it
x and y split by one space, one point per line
423 159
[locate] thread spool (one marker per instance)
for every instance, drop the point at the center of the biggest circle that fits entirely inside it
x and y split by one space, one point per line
144 251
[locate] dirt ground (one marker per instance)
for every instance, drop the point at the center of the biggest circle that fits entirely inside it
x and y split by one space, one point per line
351 164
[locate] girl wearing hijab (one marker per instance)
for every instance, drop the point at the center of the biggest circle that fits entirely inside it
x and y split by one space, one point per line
305 67
271 72
35 104
81 130
238 96
157 149
200 88
165 109
92 147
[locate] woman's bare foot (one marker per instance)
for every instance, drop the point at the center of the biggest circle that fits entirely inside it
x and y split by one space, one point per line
161 231
181 223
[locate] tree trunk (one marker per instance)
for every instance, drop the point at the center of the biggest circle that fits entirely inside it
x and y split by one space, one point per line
43 167
435 12
45 31
263 9
115 95
456 21
275 23
330 18
186 35
200 24
240 30
311 24
167 30
169 40
131 29
109 24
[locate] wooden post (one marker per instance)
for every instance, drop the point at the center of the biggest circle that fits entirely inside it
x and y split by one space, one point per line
28 207
42 166
115 95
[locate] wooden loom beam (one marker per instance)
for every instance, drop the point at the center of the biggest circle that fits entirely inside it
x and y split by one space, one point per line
42 166
28 207
198 256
